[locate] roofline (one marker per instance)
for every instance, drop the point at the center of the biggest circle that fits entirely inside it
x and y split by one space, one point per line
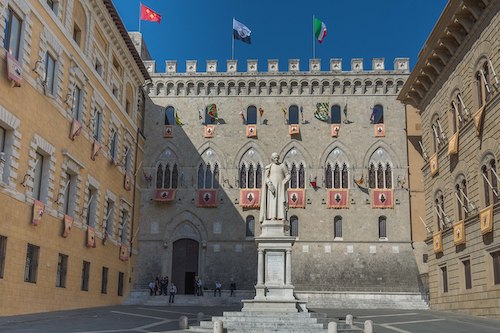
126 38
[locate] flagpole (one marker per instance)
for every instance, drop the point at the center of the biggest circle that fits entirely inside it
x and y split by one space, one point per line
232 39
140 9
314 44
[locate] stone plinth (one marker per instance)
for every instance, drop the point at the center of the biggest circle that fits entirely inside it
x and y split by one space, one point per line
274 288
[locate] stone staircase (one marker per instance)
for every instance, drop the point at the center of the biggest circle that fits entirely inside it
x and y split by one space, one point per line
275 322
319 300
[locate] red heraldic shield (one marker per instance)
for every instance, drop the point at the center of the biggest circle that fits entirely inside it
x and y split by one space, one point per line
334 130
168 131
382 198
207 198
68 223
293 129
90 237
123 252
250 198
38 210
75 130
338 198
296 198
127 180
162 194
251 131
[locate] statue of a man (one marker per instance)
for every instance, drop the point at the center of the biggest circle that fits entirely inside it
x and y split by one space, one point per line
273 204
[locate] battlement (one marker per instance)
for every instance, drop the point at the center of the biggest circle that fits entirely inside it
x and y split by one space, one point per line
401 66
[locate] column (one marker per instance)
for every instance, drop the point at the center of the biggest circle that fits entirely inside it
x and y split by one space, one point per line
260 267
288 267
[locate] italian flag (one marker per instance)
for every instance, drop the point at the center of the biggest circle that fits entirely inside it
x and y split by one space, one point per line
319 30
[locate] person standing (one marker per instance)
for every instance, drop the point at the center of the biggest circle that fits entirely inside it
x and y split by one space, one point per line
151 288
218 287
232 286
173 291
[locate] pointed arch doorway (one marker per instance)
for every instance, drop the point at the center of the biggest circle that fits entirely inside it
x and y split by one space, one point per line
185 264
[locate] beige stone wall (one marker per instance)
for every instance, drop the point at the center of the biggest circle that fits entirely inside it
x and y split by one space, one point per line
483 298
39 121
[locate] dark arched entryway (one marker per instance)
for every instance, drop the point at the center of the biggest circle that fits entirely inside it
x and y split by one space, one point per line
185 265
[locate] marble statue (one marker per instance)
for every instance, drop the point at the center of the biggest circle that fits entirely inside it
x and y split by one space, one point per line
274 199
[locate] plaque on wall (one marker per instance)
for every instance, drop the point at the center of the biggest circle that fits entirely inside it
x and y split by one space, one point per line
379 130
294 129
251 131
168 131
209 131
335 129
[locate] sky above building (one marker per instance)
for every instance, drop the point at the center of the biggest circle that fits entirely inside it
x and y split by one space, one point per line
202 30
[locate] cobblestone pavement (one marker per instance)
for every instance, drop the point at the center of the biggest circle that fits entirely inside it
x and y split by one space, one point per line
136 318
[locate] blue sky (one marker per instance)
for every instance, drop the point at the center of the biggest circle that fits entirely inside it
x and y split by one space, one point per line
202 30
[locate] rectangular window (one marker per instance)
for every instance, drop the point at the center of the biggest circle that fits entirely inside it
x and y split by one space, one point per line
77 34
127 161
31 267
50 3
98 67
444 277
77 95
12 38
50 73
127 106
91 206
3 253
113 145
115 91
85 275
124 227
104 281
97 125
467 274
66 193
62 268
496 267
110 208
2 139
121 277
37 177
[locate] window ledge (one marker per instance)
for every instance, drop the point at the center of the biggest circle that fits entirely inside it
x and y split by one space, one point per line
383 239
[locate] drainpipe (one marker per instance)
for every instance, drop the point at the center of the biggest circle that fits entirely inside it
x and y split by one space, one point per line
408 161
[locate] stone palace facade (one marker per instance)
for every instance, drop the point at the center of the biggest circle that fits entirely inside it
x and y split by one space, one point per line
341 133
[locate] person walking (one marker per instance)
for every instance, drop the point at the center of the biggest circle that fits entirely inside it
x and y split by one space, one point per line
173 291
232 286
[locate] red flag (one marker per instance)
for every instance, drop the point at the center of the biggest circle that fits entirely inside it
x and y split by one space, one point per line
147 14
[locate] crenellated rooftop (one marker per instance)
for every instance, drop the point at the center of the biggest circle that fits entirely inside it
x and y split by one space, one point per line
400 66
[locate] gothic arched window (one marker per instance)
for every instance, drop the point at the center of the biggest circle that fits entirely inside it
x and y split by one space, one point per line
491 180
250 226
380 170
159 176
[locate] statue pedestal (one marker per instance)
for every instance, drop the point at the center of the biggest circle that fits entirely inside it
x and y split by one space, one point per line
274 289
